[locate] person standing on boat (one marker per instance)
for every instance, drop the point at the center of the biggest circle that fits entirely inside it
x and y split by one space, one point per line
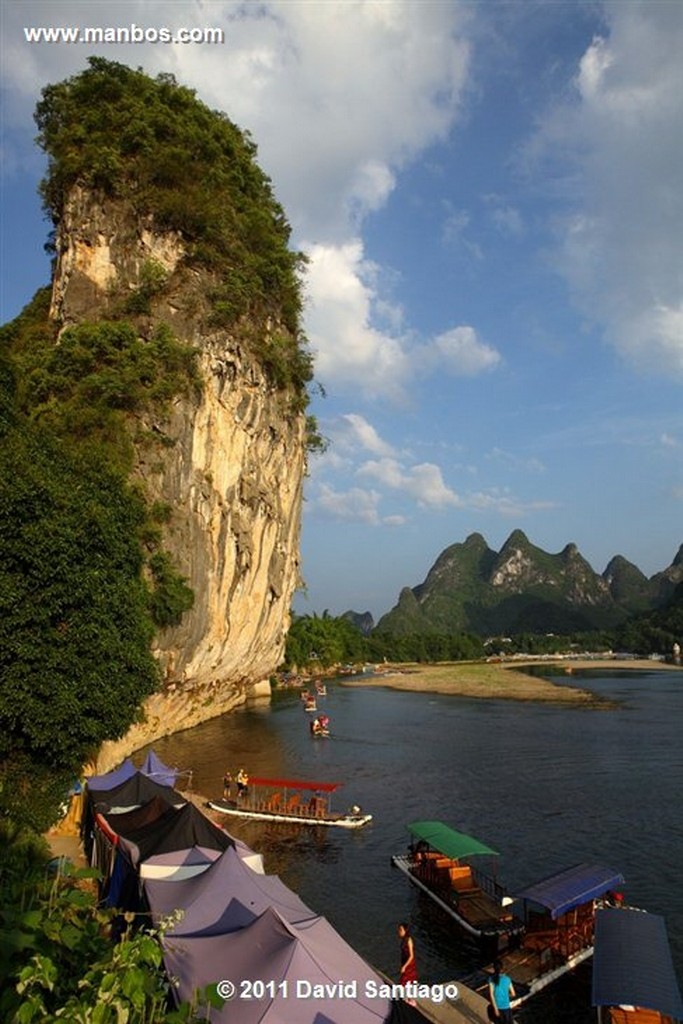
408 962
501 991
227 785
242 783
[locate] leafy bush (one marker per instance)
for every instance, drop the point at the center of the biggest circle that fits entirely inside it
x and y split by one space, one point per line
171 597
75 628
59 961
153 277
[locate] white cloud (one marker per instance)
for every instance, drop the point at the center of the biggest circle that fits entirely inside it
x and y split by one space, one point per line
423 482
362 433
453 232
502 501
529 465
668 441
621 148
356 356
349 350
507 219
329 80
355 505
460 352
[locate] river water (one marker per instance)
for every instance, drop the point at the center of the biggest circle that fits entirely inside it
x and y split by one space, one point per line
547 786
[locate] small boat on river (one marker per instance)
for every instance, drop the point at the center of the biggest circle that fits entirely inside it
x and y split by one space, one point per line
320 726
437 864
293 801
559 921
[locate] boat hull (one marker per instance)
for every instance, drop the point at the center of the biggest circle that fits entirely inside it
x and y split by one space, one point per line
337 821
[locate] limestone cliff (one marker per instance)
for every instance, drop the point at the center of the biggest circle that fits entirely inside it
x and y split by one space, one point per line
229 461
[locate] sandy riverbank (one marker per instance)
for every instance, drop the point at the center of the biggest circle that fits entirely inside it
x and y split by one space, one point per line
497 680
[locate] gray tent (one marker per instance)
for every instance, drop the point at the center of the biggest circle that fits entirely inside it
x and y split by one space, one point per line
180 865
226 896
292 959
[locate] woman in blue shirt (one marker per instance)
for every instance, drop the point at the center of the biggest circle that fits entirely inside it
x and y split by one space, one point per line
501 991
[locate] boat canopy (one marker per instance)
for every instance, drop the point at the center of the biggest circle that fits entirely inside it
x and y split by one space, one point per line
632 962
322 787
570 888
447 841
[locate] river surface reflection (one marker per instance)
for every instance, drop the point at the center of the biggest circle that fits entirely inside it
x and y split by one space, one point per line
547 786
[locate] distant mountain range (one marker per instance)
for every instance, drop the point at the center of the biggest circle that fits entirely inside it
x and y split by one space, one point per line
521 588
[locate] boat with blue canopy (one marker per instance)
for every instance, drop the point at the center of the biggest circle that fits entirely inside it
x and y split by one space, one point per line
437 863
559 920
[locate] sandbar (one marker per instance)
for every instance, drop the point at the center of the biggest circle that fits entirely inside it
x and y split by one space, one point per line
500 681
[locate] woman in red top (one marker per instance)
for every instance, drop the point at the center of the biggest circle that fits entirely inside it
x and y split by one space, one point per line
408 964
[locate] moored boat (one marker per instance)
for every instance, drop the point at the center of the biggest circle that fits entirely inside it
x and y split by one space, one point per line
437 863
559 920
295 801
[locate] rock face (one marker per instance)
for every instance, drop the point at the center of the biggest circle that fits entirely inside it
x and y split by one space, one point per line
522 588
229 461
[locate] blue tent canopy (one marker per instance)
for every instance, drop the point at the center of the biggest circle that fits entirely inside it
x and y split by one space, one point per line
632 963
570 888
112 779
155 768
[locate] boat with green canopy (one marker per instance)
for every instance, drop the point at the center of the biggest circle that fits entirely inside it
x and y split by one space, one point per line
437 862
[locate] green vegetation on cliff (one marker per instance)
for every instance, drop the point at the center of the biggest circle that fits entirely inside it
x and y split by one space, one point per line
125 135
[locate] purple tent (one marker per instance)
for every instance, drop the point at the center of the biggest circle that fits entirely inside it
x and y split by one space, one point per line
292 959
225 897
112 779
155 768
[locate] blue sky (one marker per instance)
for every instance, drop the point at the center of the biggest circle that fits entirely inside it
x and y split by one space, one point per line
490 196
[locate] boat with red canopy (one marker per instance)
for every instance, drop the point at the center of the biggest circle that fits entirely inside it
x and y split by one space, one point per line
298 801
